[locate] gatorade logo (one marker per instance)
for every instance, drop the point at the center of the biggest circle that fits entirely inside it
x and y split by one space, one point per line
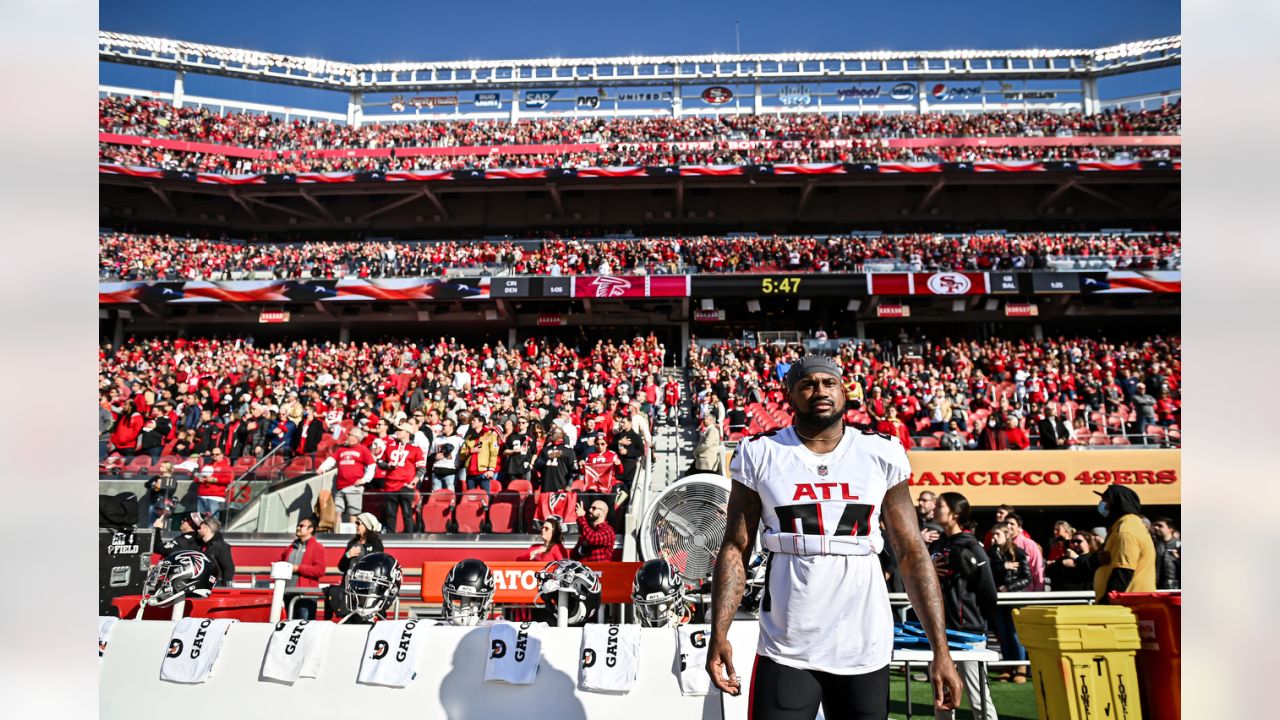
175 648
588 657
499 649
699 639
380 650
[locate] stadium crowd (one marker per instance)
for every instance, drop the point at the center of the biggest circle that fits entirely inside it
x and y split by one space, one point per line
130 256
157 118
622 141
950 394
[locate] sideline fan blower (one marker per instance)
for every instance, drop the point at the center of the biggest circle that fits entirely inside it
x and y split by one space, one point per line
685 524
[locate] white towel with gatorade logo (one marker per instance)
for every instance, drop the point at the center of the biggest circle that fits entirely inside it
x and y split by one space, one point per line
391 653
515 649
692 646
610 657
194 649
296 649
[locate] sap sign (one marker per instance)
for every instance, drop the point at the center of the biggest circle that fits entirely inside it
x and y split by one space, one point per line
538 98
903 91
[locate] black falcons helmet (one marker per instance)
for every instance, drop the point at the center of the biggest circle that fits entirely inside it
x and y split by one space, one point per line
372 584
577 580
658 595
468 593
181 574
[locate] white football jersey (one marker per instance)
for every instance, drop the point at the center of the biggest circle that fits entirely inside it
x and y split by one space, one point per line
296 649
391 653
610 657
193 649
691 643
106 624
514 652
825 606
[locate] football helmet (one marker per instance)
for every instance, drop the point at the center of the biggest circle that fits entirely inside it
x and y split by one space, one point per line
658 594
581 585
372 584
181 574
468 593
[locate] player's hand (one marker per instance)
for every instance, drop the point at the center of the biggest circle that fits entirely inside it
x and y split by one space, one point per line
720 667
946 683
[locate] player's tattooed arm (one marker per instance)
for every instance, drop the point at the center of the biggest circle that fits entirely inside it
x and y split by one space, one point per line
923 590
730 582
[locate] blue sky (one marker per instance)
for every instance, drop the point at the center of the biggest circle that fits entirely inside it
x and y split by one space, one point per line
407 31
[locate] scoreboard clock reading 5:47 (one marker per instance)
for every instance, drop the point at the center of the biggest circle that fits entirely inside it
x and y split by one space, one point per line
780 286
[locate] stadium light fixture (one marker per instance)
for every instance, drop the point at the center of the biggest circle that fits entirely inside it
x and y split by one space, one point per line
708 304
803 305
853 306
753 306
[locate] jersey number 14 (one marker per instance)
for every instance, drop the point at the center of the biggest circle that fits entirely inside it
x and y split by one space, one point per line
806 519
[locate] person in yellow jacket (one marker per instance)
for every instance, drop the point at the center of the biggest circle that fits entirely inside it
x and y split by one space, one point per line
1127 562
480 453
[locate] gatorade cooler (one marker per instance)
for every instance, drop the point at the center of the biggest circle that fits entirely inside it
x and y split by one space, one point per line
1160 659
1082 661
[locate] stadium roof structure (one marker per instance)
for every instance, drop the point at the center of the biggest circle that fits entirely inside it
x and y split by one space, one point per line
1027 64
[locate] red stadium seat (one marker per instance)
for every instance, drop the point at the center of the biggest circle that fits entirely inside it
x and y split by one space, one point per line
578 485
437 512
139 465
504 511
1120 440
170 459
1095 440
469 516
242 465
520 486
928 442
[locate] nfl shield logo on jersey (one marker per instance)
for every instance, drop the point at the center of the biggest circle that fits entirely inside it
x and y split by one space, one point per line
822 470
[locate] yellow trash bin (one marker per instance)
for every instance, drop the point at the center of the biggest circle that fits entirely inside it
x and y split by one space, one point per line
1082 660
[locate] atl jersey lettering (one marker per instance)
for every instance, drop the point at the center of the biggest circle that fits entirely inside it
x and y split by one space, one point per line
515 650
691 644
825 606
391 653
610 657
296 649
193 649
405 461
352 460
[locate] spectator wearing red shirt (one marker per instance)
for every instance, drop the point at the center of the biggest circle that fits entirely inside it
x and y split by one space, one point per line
405 465
891 425
595 535
124 439
213 481
551 546
355 466
306 555
601 468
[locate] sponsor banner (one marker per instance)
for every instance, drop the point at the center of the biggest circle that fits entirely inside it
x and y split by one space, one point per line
1003 282
517 582
717 95
1021 309
950 283
646 96
487 100
1043 282
947 92
557 287
778 285
273 316
509 287
708 315
893 311
1030 95
668 286
793 95
1046 478
398 102
551 320
587 102
903 91
538 98
858 92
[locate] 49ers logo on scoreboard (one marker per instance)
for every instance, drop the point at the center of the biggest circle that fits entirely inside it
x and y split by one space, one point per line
948 284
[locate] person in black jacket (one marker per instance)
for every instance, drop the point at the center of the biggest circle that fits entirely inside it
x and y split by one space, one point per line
1074 570
1012 574
1054 433
368 539
968 588
186 539
557 464
213 545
